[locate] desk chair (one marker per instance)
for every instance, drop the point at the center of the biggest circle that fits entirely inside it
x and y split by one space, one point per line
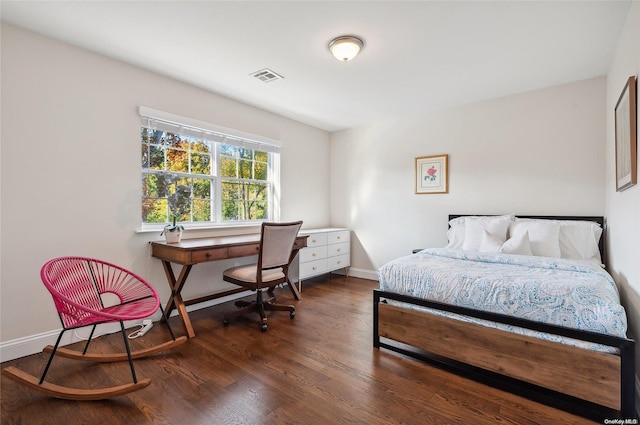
274 257
88 292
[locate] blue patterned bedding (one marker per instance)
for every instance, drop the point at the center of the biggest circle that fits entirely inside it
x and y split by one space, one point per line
570 293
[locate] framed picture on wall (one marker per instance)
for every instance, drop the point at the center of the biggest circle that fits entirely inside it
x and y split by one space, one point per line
432 174
626 137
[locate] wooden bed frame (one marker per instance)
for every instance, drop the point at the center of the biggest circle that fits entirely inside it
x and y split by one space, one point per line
589 383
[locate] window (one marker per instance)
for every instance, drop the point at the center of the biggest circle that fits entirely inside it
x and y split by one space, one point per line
200 174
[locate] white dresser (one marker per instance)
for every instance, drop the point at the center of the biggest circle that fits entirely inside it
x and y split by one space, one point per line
327 250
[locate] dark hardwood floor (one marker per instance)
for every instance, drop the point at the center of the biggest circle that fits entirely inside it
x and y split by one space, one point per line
319 368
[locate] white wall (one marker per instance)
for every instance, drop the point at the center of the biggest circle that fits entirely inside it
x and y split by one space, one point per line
623 208
534 153
70 170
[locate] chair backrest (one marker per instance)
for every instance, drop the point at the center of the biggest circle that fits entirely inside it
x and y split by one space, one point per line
276 243
80 285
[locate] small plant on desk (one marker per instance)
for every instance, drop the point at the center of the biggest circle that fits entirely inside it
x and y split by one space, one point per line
178 197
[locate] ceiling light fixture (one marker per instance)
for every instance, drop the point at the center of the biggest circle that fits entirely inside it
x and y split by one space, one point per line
345 47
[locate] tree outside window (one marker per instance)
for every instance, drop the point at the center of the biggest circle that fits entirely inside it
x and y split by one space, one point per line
181 179
244 183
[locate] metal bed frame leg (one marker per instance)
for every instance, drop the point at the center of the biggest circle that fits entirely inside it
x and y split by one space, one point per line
627 381
376 334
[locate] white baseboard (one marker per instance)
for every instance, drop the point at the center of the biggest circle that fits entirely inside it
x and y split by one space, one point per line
363 273
33 344
351 271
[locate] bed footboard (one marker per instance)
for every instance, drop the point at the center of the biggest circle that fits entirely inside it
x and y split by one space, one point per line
596 377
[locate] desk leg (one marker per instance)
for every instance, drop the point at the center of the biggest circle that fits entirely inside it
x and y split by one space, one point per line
175 300
294 289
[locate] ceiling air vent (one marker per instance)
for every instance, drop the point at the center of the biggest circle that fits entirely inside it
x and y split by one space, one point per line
267 75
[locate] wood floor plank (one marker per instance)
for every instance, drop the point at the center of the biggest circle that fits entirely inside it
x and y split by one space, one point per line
319 368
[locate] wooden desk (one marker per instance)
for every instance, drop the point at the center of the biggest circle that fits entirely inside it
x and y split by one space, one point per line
193 251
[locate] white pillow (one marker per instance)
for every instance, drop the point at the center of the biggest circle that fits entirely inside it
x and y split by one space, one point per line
579 240
544 235
475 227
490 242
455 235
518 245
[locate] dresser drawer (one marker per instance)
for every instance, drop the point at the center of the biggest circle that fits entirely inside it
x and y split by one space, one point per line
312 268
339 262
338 237
313 253
328 249
338 249
316 239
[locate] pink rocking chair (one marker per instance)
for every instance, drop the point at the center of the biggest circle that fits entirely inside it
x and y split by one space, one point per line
88 292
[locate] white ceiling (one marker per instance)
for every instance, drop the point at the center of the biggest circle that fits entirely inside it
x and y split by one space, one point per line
418 55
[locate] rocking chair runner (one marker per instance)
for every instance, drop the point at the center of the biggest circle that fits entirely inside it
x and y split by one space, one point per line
274 256
88 292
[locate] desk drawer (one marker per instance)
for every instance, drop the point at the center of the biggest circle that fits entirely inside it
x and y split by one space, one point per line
243 250
312 254
209 255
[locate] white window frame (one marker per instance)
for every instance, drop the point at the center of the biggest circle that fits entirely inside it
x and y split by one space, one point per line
166 121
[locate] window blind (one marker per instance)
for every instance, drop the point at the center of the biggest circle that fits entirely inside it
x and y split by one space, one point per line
176 124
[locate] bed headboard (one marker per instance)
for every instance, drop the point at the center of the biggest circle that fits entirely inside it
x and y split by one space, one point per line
597 219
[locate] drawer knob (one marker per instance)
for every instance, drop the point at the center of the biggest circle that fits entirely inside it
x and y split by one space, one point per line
313 254
339 249
313 240
338 237
208 255
339 261
314 268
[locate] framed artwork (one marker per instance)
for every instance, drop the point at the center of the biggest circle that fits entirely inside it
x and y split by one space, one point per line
626 137
432 174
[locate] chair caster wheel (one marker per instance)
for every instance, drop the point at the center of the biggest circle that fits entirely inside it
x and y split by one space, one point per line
263 328
225 322
292 314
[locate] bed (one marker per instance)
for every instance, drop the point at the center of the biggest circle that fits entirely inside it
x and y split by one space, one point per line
522 303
